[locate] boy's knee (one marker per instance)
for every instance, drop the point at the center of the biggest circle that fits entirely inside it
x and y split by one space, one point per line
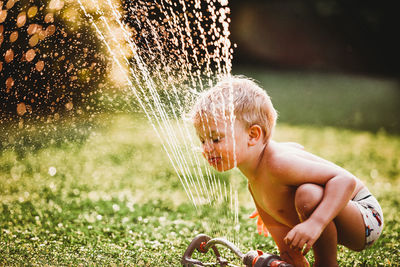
307 198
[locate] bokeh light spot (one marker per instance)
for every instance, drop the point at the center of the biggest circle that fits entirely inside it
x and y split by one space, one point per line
32 11
21 19
49 18
9 83
42 35
34 40
56 4
9 55
39 65
30 55
13 36
50 30
3 15
10 4
69 105
21 108
34 28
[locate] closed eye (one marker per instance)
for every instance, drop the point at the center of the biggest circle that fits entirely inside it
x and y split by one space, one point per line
216 140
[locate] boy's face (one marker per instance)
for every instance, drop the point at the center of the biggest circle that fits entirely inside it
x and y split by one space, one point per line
223 144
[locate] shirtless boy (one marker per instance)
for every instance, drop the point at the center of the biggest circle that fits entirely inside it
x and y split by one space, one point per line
304 201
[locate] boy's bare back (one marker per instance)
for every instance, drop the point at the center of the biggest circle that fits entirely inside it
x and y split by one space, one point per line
274 190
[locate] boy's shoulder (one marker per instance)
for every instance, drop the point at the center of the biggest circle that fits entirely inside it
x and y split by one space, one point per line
290 164
280 153
281 158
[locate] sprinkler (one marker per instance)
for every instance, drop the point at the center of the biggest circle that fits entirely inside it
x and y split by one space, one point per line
254 258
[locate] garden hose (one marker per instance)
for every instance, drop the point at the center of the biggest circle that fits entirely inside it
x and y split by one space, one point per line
202 243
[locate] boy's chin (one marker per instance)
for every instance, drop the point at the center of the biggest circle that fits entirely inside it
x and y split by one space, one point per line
221 168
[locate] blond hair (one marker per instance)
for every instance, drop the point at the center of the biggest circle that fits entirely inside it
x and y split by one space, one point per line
241 97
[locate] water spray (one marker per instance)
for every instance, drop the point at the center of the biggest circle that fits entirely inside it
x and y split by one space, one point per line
254 258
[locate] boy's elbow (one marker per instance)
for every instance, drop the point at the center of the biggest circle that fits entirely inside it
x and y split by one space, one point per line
346 181
351 180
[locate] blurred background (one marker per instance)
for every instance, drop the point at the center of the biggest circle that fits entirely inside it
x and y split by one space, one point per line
322 35
337 60
324 62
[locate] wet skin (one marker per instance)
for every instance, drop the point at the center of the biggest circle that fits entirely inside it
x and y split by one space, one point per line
275 172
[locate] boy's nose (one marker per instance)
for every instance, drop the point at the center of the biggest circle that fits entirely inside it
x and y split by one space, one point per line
207 147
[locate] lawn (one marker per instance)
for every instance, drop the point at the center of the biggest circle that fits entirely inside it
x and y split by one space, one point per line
105 193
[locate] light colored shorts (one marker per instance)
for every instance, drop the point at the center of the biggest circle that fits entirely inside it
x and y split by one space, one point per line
372 214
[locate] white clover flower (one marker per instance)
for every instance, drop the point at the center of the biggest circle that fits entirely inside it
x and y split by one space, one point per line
52 171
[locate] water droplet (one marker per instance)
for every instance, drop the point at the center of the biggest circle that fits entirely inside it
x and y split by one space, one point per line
21 19
42 35
39 65
69 105
9 55
9 84
30 55
21 109
34 40
56 4
49 18
50 30
3 15
32 11
34 28
10 4
13 37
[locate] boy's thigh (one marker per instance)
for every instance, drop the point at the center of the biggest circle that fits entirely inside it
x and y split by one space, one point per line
351 227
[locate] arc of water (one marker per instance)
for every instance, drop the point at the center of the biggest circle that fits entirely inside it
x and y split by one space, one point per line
186 129
156 111
116 60
188 35
179 156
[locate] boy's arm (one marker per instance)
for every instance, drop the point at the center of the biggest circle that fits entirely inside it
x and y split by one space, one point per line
278 232
338 187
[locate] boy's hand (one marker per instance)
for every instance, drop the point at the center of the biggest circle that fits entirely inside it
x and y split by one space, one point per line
261 228
303 234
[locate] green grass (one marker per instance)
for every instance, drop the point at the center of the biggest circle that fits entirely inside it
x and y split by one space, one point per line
116 200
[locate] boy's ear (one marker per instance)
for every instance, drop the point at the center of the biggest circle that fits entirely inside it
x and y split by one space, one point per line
255 134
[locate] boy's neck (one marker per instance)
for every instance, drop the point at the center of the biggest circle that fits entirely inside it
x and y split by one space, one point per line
251 166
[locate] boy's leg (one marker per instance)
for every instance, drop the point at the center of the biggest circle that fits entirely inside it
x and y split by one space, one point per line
351 227
308 197
347 229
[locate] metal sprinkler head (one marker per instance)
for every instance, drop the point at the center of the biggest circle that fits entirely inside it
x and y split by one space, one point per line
202 243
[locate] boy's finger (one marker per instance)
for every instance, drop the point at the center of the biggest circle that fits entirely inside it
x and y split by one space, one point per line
295 243
286 240
289 238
